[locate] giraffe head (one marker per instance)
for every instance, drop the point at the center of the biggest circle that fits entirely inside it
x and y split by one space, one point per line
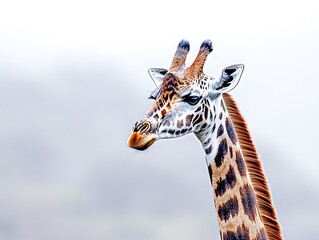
184 98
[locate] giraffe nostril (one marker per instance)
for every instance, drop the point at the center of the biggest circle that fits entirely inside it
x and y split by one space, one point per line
143 127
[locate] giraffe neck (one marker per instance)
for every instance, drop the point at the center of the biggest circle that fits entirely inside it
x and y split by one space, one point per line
234 197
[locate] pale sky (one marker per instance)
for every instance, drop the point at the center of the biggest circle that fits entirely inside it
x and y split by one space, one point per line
73 80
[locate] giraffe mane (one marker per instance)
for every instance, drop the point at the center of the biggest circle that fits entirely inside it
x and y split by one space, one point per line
256 173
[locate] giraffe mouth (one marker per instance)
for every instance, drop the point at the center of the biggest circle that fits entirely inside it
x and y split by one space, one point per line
140 142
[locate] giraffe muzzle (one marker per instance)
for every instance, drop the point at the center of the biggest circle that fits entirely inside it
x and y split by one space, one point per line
141 138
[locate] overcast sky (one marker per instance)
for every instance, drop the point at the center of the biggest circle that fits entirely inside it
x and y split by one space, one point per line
73 80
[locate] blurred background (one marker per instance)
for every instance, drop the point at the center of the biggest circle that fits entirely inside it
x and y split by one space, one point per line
73 80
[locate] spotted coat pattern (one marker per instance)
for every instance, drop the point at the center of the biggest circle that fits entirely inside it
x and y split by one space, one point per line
234 198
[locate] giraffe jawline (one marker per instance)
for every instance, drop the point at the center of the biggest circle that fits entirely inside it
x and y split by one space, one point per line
147 145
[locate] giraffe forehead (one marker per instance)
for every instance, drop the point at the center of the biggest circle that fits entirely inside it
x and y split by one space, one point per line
173 87
171 82
178 82
169 90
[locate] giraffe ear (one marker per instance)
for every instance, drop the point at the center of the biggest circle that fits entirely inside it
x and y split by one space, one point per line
229 78
157 75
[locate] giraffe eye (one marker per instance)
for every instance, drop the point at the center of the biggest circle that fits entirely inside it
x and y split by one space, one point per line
192 100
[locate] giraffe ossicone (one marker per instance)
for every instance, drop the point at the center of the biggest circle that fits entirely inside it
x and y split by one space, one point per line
188 101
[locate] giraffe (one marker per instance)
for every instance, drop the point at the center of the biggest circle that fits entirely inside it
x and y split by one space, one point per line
188 101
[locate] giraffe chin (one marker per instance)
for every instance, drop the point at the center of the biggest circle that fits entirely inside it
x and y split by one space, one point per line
141 142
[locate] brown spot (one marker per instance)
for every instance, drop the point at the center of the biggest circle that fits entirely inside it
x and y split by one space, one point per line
221 187
189 120
242 233
163 112
180 123
231 131
227 183
230 208
240 163
249 201
230 178
220 130
221 152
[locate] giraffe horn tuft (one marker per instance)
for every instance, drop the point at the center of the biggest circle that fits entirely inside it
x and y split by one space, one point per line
197 67
207 46
182 47
179 58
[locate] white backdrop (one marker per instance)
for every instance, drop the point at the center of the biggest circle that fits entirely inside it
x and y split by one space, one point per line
73 80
